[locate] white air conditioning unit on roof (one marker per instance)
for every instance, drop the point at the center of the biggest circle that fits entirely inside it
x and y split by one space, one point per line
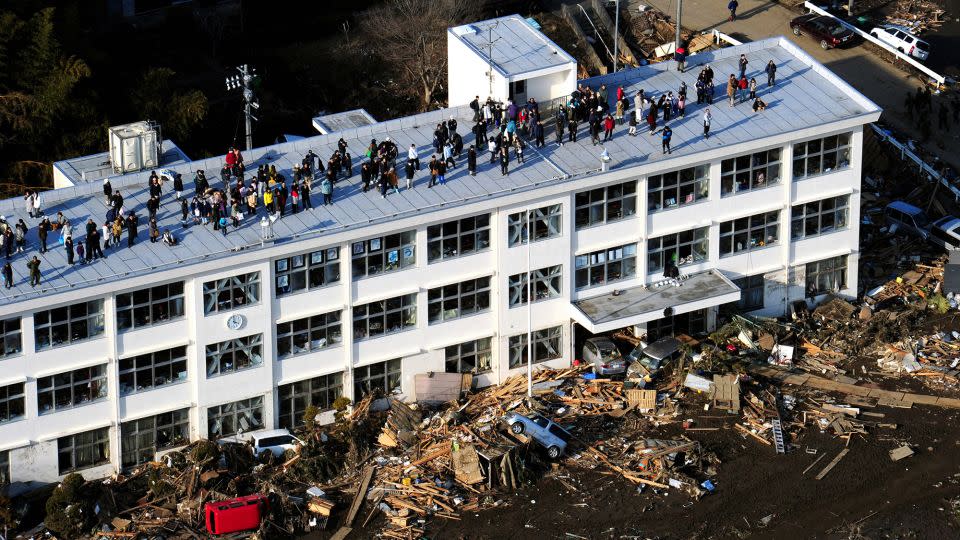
135 147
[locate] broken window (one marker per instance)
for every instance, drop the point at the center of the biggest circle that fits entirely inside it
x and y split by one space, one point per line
149 306
308 334
459 237
751 171
229 418
606 204
140 439
384 316
677 188
71 388
751 292
383 376
544 221
682 249
473 356
821 156
547 345
295 397
307 271
457 300
234 355
828 275
748 233
231 293
606 266
819 217
384 254
68 324
83 450
152 370
11 341
12 403
546 284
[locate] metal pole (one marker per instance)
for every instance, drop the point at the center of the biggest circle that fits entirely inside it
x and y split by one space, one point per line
490 60
679 10
529 293
616 35
248 99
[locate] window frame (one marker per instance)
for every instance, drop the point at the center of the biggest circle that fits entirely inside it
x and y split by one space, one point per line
176 358
548 278
517 346
750 285
320 391
547 223
732 171
404 244
172 302
598 206
745 229
9 396
68 444
251 346
482 353
93 312
661 250
455 293
147 432
441 241
312 327
247 286
818 272
389 376
407 309
803 154
601 261
301 269
679 185
78 379
249 408
800 219
11 335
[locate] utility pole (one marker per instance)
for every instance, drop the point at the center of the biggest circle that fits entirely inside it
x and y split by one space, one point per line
529 293
490 42
679 10
244 80
616 35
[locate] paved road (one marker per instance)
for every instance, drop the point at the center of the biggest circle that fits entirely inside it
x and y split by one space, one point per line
863 69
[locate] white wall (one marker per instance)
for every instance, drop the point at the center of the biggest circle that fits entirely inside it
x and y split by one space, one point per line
552 85
467 76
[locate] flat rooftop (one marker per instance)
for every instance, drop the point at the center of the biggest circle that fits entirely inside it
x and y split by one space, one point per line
517 46
806 95
342 121
96 167
640 304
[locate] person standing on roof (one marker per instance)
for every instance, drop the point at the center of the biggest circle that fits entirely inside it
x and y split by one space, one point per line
131 229
743 65
732 90
34 267
608 128
20 235
68 245
504 161
707 117
107 191
305 195
408 172
7 275
667 135
471 163
326 188
28 202
413 157
178 185
680 55
771 71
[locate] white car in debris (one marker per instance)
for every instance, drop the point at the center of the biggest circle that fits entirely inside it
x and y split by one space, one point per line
900 38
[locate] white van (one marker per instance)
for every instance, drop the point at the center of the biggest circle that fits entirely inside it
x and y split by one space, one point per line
900 38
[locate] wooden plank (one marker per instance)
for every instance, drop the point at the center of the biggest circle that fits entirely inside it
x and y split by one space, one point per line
805 471
358 498
832 464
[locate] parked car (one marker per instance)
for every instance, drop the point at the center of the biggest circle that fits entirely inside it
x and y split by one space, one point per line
907 218
826 30
546 432
646 360
900 38
945 232
602 354
277 441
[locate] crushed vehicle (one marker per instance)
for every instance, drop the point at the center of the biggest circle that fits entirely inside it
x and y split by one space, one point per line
235 515
647 360
603 356
907 218
546 432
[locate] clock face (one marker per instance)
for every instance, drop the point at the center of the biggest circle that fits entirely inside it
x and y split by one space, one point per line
235 322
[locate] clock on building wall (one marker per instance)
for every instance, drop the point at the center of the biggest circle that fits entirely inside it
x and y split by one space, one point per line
235 321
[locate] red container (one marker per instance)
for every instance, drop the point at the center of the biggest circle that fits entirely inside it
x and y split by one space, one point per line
232 515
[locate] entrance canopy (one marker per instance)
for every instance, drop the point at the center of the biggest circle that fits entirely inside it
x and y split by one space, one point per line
638 305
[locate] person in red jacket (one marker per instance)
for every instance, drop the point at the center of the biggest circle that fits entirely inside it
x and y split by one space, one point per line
608 124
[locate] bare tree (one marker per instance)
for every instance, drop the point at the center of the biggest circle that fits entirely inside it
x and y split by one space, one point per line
411 36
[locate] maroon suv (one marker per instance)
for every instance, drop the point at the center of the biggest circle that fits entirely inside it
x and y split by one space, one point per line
826 30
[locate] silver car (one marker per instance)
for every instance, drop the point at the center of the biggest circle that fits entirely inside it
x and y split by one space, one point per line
602 354
646 360
546 432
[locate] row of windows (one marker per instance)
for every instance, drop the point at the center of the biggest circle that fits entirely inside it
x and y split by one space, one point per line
545 284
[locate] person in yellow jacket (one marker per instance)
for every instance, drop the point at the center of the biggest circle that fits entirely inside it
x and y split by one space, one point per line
268 200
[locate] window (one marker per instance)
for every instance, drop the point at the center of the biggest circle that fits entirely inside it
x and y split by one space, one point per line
384 316
384 254
307 271
546 284
227 419
751 292
10 337
140 439
71 388
458 300
752 171
231 293
821 156
606 204
545 222
819 217
12 405
748 233
546 346
828 275
234 355
4 467
152 370
83 450
677 188
682 249
469 357
295 397
68 324
605 266
149 306
457 238
382 376
308 334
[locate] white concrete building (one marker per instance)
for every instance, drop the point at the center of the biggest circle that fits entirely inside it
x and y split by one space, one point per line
107 363
506 58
